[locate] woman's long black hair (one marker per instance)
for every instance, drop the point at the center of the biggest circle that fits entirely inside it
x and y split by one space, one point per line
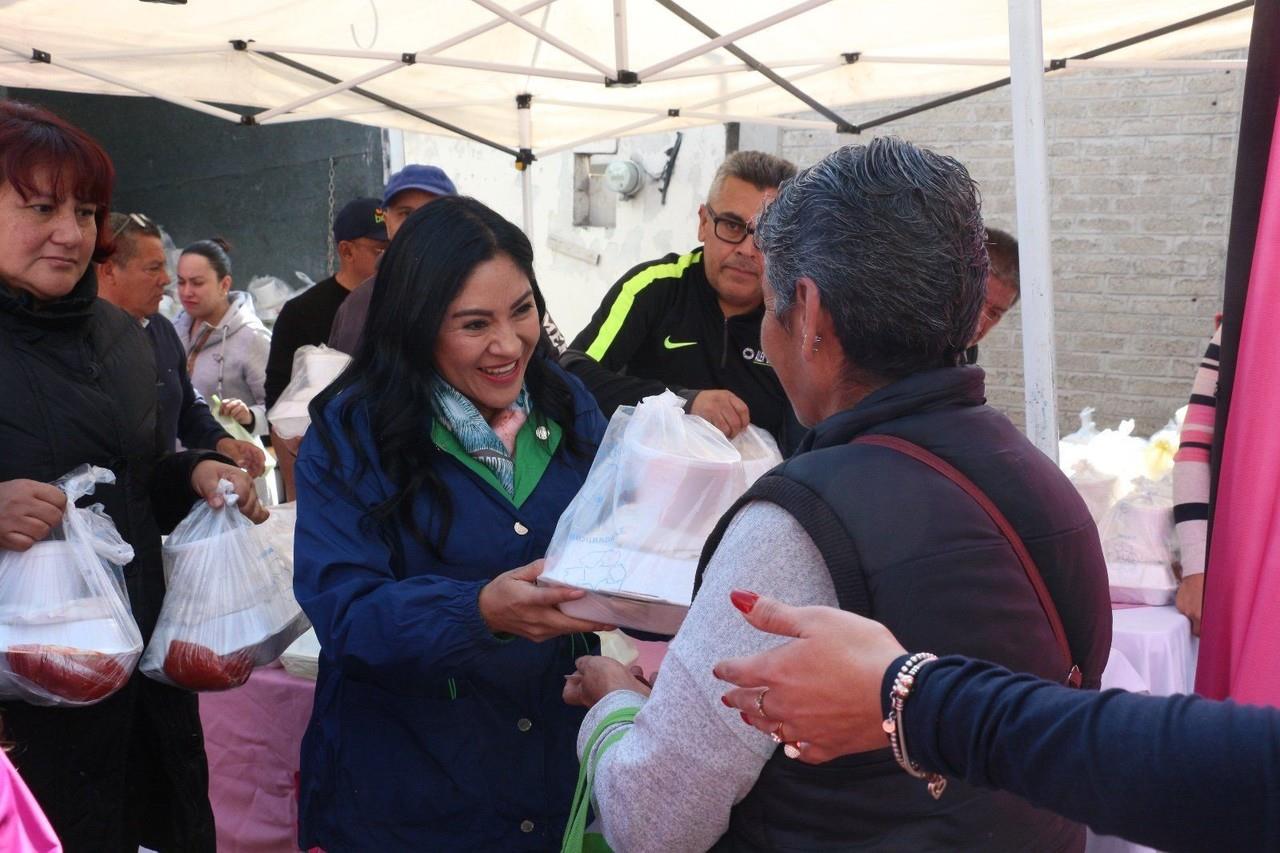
422 272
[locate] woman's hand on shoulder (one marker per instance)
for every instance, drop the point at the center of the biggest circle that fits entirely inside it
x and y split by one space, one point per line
822 688
513 603
28 511
204 481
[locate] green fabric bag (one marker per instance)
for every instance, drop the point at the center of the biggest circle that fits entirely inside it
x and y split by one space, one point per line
576 838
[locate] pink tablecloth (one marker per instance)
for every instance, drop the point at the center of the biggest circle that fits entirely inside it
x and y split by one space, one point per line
252 736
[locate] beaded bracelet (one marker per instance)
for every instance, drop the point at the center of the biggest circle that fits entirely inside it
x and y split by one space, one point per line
896 729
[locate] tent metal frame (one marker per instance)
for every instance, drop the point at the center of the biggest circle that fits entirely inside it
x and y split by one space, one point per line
1026 64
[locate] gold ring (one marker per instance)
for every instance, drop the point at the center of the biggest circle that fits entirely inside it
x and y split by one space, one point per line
760 702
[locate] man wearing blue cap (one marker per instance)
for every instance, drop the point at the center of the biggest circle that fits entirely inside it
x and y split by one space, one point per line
407 190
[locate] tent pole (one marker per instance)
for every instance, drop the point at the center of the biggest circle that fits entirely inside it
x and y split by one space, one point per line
621 56
525 161
1031 177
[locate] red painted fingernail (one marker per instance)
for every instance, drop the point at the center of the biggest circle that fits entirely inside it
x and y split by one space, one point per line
745 719
726 702
744 600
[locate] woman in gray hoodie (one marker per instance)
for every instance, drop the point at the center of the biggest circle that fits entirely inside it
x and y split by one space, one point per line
226 343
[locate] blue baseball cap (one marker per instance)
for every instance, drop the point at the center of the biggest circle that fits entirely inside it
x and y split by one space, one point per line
360 218
431 179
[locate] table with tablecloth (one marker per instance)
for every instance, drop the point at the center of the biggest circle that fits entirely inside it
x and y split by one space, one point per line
253 736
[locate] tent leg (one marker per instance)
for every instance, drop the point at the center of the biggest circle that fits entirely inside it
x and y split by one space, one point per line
524 116
1031 174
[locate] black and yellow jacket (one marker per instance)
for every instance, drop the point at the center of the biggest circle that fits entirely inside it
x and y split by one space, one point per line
659 327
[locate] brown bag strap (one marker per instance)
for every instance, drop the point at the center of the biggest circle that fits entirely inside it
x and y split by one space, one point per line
949 471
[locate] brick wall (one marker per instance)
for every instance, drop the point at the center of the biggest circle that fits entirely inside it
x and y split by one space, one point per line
1141 167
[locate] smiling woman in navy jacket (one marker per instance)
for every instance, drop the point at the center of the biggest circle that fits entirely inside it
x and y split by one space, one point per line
428 489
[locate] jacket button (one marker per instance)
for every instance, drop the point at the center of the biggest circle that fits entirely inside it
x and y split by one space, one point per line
526 826
524 724
520 529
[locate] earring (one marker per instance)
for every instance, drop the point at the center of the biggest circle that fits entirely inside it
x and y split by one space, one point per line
817 339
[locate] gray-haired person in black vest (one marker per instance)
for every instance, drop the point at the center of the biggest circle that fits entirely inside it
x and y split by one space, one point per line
909 501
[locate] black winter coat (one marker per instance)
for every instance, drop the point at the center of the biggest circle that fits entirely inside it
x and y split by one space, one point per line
78 386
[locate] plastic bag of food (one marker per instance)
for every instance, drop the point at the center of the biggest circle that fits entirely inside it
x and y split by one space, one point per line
314 369
1074 448
269 296
68 636
633 534
1097 489
1157 460
1119 453
1137 542
228 604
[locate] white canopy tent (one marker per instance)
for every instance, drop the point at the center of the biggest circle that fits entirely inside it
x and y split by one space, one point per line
537 77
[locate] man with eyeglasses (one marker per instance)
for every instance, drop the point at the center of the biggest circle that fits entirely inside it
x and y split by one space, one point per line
691 322
133 278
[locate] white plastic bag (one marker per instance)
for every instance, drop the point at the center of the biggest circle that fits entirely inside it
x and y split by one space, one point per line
302 658
1137 541
314 369
1097 489
269 296
1119 453
1157 460
68 636
633 534
228 604
1074 448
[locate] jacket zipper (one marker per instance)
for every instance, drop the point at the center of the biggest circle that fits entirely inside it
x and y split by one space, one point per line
724 346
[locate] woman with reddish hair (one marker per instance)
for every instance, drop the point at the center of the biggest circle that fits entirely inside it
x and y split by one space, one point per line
78 385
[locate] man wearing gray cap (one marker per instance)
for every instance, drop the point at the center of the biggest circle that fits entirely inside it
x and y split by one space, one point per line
407 190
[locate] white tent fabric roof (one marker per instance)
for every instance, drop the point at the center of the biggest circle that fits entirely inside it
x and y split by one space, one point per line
472 58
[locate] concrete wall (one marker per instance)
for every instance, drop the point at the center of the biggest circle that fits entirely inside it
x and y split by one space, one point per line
1141 167
644 228
266 189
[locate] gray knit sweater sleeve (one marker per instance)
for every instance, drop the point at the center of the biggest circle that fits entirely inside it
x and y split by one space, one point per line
669 784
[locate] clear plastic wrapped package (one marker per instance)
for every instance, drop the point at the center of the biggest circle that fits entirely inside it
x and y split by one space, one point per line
633 534
1137 541
314 368
68 636
228 604
1097 489
1074 448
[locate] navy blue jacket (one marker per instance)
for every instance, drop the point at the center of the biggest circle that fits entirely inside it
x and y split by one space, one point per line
428 732
1175 773
183 413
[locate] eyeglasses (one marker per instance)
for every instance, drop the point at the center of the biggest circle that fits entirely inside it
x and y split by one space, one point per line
137 219
730 229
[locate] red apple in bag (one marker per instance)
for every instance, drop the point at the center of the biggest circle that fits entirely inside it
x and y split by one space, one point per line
197 667
77 675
